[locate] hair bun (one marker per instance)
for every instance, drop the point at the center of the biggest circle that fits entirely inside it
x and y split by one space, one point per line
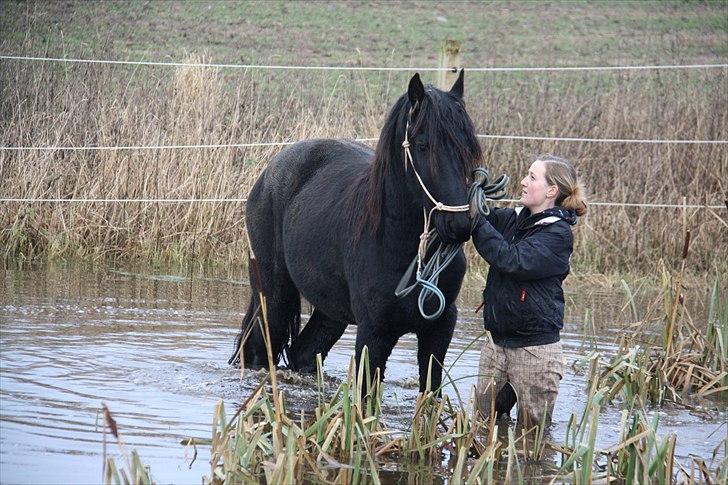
576 201
561 172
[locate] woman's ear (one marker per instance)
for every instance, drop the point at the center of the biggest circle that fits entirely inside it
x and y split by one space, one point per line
552 192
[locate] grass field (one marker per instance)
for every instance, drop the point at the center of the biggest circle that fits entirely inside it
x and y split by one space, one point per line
493 33
77 104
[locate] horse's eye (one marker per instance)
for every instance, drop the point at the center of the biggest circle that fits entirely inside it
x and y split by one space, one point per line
421 145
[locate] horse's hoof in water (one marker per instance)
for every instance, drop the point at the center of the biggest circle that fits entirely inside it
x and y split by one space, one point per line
306 370
250 367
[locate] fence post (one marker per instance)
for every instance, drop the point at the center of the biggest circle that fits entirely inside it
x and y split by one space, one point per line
449 59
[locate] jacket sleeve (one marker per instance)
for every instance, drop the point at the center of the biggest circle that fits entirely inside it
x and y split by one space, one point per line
541 255
498 217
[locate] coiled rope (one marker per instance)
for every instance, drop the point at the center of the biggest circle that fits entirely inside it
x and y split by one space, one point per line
427 273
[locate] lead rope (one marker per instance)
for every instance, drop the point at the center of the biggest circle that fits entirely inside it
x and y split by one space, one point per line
428 274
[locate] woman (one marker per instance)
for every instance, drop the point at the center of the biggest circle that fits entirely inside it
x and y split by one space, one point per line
528 250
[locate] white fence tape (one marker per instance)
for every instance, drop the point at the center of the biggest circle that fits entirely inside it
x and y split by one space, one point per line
283 143
364 68
191 201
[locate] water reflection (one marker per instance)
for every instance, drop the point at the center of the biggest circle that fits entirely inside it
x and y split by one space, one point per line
154 346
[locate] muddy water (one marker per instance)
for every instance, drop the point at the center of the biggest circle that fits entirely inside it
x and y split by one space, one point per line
153 345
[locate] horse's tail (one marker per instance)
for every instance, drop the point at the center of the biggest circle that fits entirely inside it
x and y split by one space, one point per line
246 325
294 328
246 328
269 282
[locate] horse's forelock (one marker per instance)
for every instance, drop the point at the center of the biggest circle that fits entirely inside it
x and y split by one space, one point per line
444 118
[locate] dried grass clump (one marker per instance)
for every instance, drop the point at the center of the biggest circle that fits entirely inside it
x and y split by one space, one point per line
684 361
46 104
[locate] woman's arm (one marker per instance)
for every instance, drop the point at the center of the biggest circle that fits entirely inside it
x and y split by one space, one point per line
499 217
543 254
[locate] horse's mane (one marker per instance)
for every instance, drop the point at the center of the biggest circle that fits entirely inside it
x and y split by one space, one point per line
444 117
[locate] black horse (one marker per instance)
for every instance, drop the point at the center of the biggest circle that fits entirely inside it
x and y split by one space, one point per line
338 223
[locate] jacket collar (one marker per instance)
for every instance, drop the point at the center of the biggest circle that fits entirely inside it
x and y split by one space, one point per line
526 220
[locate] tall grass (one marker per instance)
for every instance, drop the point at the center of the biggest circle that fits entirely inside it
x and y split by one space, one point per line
343 440
77 105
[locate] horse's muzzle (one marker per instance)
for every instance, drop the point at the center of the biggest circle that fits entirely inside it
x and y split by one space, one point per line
453 227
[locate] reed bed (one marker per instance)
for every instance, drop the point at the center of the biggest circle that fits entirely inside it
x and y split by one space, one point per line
344 440
79 105
679 362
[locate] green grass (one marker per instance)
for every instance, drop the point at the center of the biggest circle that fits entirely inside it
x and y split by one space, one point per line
569 33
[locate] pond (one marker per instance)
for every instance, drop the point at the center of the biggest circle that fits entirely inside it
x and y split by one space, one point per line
154 344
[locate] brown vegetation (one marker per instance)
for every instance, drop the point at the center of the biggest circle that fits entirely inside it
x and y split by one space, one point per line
85 105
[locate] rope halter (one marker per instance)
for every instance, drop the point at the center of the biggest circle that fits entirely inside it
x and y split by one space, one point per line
437 205
427 274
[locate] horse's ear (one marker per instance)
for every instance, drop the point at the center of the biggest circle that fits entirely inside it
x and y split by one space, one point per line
416 91
457 88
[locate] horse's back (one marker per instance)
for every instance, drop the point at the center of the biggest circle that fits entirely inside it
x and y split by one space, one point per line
302 176
295 166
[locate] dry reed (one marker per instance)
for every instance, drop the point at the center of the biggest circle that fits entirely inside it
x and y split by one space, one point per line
78 105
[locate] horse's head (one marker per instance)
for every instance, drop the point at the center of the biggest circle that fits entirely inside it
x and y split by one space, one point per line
444 150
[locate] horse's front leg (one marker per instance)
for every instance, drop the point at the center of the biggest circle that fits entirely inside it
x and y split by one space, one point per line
434 341
379 340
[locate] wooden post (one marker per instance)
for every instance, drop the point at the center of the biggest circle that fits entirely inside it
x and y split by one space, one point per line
449 59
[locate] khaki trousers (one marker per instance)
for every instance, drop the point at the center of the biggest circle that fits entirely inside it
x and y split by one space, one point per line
533 372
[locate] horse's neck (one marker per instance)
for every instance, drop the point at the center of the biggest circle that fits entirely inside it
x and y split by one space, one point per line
401 211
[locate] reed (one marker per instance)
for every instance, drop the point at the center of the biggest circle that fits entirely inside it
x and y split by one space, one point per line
343 433
343 440
46 105
639 456
134 472
683 362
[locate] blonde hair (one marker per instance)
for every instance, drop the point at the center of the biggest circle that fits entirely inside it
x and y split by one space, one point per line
561 173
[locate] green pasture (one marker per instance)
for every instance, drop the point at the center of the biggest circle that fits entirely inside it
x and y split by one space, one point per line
372 34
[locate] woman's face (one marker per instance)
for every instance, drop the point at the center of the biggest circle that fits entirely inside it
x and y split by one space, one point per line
536 194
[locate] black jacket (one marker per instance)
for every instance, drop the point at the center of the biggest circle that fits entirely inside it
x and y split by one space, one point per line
529 258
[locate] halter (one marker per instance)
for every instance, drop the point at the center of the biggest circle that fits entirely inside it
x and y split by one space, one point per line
427 276
437 205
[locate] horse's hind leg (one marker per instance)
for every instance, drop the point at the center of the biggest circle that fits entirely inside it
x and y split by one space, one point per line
283 315
317 337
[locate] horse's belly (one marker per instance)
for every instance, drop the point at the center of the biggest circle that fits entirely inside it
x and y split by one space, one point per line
323 289
315 266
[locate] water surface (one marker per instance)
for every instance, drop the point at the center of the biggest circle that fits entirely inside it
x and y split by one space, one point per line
154 344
